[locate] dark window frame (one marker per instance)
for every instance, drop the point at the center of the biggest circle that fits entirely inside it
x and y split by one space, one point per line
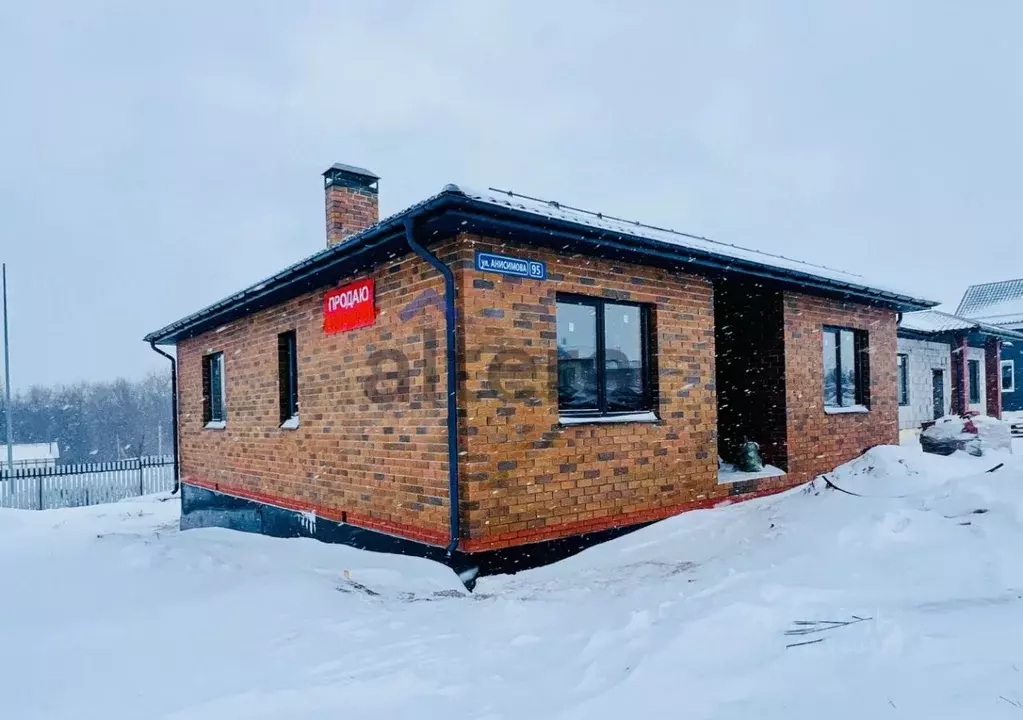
861 374
903 369
646 350
214 404
973 388
287 375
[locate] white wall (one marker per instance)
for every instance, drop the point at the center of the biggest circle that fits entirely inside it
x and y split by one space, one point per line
923 357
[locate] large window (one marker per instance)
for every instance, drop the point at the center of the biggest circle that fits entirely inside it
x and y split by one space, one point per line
287 377
603 357
973 368
1008 376
903 379
213 393
845 368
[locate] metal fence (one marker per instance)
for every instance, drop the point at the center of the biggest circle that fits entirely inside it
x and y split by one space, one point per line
85 484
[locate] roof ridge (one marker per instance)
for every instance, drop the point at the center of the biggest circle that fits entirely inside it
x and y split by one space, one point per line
996 282
979 295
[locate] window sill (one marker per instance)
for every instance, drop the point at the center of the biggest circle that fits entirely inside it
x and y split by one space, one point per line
290 424
639 417
727 477
846 410
215 425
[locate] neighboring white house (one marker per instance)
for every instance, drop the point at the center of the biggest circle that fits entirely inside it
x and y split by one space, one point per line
925 381
31 455
935 378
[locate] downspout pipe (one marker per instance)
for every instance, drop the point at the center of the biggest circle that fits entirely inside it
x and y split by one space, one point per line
174 412
452 373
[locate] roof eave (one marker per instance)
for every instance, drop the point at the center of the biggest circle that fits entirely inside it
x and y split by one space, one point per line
894 301
322 263
336 259
974 333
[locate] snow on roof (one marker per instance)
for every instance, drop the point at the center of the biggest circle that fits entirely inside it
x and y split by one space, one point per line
1000 303
557 211
744 259
1006 311
936 322
26 452
933 321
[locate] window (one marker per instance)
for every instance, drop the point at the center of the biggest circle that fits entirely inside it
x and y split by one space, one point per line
287 377
213 410
845 368
1008 376
973 367
903 379
603 357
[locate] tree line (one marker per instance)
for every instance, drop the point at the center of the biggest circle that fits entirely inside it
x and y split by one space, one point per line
95 421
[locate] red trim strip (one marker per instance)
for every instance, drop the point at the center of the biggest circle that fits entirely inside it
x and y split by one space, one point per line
522 537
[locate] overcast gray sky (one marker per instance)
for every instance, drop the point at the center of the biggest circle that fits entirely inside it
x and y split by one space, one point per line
158 156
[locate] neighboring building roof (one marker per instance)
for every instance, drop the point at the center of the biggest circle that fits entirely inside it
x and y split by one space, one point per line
30 452
935 322
538 222
1000 303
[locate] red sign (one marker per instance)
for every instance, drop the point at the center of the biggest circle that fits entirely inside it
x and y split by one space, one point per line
350 307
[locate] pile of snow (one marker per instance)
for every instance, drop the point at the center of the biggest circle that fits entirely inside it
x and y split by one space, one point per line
111 612
974 434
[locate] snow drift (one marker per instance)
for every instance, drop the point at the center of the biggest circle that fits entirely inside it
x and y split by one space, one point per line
111 612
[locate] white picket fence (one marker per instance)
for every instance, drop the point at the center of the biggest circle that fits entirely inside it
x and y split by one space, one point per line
86 484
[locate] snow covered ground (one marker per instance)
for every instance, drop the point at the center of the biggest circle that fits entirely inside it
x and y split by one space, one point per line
110 612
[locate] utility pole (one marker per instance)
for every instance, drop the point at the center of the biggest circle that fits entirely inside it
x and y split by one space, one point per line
7 383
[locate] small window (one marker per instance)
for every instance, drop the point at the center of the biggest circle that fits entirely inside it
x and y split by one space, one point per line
603 357
1008 376
903 379
845 368
973 367
213 392
287 376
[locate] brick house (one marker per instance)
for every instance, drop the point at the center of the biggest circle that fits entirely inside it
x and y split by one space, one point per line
949 364
496 381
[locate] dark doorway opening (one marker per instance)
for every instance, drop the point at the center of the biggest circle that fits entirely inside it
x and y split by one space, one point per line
749 334
938 392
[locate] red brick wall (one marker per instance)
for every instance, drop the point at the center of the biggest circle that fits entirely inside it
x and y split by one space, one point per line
526 478
993 376
818 442
383 464
349 210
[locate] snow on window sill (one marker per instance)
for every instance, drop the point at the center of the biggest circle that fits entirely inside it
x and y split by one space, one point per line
290 424
216 425
831 410
640 417
731 474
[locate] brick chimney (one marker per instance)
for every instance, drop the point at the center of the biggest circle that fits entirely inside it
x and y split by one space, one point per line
351 201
